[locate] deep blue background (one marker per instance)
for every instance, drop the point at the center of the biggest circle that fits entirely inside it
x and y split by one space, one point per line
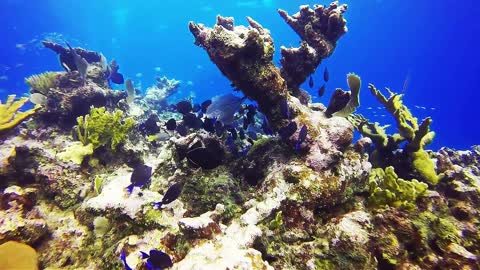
435 42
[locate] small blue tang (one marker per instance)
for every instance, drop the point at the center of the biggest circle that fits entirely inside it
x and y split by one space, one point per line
302 136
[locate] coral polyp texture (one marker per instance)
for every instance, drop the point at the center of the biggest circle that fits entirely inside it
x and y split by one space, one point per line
123 179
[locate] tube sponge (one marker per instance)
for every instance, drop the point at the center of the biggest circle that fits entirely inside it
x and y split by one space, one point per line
10 117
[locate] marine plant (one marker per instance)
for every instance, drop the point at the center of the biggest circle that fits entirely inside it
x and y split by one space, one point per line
10 116
43 82
416 136
76 152
386 188
101 128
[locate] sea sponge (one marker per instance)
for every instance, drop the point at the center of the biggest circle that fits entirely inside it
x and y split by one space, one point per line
15 256
10 117
101 128
76 153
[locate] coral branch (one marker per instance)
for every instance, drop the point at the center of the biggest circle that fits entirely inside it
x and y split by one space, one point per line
10 117
244 55
320 30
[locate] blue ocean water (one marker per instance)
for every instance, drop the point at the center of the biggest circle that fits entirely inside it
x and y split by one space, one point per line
431 44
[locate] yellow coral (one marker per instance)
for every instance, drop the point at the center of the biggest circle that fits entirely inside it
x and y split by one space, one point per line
15 255
10 117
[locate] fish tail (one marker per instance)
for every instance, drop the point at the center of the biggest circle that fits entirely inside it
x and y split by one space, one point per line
130 188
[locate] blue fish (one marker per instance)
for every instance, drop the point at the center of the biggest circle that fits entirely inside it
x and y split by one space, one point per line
287 131
157 260
123 257
266 126
284 109
326 75
140 177
117 78
224 108
171 195
302 136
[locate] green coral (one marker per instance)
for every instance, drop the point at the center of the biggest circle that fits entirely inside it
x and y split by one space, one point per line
416 136
101 128
43 82
386 188
277 222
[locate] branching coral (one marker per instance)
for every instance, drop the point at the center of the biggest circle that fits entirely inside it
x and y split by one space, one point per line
10 117
101 128
416 137
43 82
386 188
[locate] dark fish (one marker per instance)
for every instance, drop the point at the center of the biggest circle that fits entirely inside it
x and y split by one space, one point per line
246 122
182 130
326 75
287 131
117 78
190 120
310 82
171 124
184 107
157 260
219 128
250 141
204 158
123 257
230 143
266 126
140 176
252 135
200 114
284 109
234 133
241 133
196 107
302 135
150 126
321 91
171 195
205 105
209 124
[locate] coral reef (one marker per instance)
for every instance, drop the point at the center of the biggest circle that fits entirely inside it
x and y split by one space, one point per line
301 197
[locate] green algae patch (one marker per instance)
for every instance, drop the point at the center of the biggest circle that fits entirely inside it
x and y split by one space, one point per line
211 188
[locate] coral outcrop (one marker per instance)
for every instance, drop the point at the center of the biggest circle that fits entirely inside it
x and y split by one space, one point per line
300 197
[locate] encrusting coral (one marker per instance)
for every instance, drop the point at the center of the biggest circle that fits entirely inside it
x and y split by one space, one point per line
10 116
102 128
386 188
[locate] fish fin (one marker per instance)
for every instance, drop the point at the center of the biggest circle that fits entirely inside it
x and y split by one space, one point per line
149 265
130 188
123 257
158 205
144 255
